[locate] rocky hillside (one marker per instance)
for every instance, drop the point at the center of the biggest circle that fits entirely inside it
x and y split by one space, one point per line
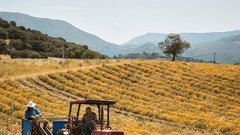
21 42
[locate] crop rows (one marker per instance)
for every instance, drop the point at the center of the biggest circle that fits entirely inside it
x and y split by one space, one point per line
181 95
204 96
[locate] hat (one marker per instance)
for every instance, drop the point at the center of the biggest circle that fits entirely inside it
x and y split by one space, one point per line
31 104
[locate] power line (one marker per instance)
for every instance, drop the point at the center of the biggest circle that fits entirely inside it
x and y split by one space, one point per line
210 54
214 57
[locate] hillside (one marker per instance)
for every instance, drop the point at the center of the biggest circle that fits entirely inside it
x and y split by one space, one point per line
59 28
227 49
168 97
226 44
147 47
20 42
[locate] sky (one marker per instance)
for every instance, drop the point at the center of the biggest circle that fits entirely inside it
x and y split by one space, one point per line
118 21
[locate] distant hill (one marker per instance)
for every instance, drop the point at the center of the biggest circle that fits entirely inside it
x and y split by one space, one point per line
147 47
21 42
146 38
227 50
59 28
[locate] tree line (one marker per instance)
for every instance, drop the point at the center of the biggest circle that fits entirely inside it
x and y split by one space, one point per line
154 55
173 46
144 55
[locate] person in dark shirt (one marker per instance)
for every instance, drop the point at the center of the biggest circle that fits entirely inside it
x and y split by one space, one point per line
32 113
88 119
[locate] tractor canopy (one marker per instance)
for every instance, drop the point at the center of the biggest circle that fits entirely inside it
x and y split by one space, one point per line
93 102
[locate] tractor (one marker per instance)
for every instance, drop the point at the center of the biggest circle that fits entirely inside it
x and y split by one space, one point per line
73 124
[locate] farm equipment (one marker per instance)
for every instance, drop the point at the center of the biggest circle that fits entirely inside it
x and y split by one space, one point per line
73 124
39 127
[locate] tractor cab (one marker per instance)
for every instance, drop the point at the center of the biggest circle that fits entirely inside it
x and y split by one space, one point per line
101 126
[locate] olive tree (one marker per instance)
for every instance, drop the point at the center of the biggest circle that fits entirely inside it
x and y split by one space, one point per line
173 45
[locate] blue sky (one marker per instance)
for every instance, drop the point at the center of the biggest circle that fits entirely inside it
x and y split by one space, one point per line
118 21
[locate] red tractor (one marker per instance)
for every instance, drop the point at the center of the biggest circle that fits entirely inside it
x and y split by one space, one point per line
101 126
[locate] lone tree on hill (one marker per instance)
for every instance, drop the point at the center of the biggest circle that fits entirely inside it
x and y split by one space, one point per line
173 45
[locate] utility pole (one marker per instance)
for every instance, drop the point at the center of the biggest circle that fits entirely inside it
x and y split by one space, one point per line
214 57
63 51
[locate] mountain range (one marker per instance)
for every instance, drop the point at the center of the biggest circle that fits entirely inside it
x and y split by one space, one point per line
193 38
225 44
227 50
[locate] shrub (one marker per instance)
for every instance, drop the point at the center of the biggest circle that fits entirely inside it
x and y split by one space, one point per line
200 124
24 54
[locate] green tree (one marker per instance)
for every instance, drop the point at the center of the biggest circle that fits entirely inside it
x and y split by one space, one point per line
3 47
20 45
78 54
155 55
38 45
14 33
174 45
85 47
89 55
4 23
3 34
12 23
22 28
24 54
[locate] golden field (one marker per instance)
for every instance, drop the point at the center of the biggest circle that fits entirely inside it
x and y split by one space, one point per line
153 97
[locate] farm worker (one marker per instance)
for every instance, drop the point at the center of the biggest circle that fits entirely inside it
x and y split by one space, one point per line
32 112
88 120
